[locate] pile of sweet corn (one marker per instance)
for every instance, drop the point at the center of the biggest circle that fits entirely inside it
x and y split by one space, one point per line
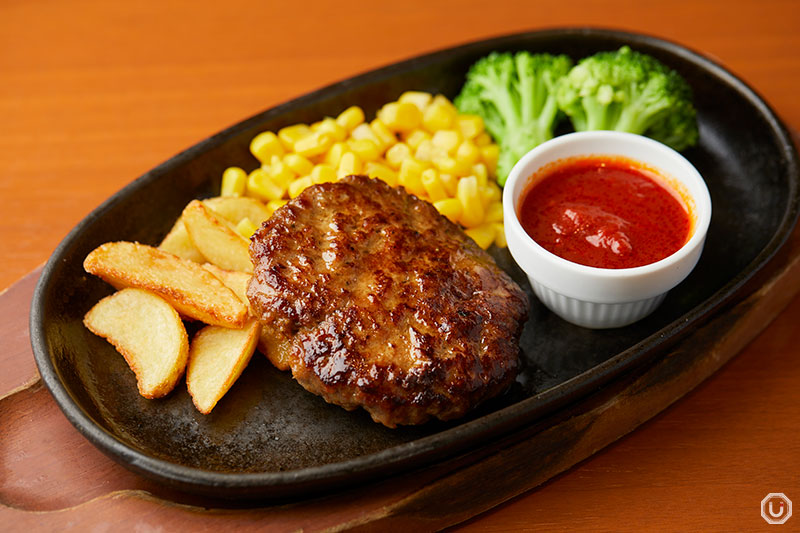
419 142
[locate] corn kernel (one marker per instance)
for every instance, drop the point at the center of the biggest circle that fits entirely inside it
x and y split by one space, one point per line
234 182
483 139
425 151
443 100
418 98
472 212
298 164
484 235
349 163
439 115
412 183
282 177
447 140
291 134
366 149
400 116
415 137
265 145
274 205
449 165
381 172
482 181
299 185
396 154
450 207
468 152
494 213
489 154
470 126
323 173
414 165
383 134
500 237
450 183
261 185
246 228
364 131
410 176
433 185
350 118
490 192
335 153
480 171
313 144
280 172
335 131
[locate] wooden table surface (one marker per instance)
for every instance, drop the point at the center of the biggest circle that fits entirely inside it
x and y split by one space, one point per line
93 94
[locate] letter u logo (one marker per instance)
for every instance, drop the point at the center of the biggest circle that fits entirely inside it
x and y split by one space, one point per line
774 514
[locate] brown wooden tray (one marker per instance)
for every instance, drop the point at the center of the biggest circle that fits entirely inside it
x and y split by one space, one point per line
52 478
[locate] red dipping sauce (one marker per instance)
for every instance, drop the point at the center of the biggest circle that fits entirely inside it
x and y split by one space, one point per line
606 212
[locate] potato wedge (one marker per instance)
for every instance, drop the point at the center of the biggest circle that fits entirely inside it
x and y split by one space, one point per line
216 239
235 281
235 208
191 289
178 242
217 357
149 334
272 345
269 343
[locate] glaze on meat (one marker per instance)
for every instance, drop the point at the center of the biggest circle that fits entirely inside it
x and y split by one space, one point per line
373 299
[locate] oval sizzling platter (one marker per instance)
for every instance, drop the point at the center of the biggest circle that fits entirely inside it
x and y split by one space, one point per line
268 437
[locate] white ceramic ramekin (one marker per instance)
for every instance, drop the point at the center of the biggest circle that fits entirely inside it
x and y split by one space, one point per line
599 297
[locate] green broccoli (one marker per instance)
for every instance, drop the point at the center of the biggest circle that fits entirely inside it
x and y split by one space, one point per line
632 92
515 96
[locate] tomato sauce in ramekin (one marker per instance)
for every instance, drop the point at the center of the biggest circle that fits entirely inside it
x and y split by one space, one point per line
605 212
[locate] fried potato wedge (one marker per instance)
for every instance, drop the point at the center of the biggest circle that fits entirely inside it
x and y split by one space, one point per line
217 357
235 281
216 238
178 242
235 208
149 334
270 343
191 289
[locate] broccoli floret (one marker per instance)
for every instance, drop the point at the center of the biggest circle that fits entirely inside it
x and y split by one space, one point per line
632 92
515 96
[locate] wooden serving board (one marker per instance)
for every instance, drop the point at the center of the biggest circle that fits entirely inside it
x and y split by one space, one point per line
51 478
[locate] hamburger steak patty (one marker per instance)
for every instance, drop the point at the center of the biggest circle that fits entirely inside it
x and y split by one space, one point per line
375 300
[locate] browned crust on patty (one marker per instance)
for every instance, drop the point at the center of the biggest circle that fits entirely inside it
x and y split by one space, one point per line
378 301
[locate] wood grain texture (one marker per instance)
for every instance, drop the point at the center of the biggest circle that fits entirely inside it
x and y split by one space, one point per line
93 94
17 367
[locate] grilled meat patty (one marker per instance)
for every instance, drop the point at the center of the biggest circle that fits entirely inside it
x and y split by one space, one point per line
375 300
